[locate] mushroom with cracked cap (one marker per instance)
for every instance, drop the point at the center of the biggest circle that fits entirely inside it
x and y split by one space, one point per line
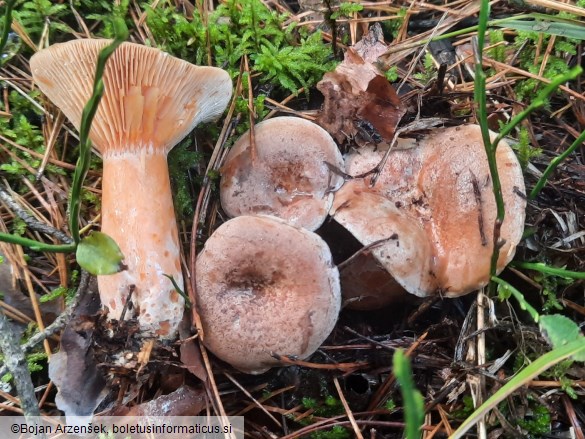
151 102
265 287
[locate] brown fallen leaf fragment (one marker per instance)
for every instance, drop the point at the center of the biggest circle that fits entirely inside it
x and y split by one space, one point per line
73 369
190 353
359 100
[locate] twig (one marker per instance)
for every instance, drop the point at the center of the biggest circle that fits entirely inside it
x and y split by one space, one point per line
59 322
32 222
15 362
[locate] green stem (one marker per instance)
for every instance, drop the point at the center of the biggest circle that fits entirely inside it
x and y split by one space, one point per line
490 147
543 268
553 165
121 34
539 101
7 23
37 245
519 297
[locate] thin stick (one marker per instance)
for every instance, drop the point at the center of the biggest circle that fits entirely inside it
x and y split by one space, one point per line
355 427
15 362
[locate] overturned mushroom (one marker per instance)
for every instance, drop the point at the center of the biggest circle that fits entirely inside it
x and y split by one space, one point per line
433 209
256 299
285 172
151 102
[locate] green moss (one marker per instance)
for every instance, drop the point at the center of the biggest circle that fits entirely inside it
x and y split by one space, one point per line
287 57
524 150
181 160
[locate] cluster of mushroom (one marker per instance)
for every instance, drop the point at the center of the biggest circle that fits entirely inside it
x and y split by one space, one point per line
266 284
427 223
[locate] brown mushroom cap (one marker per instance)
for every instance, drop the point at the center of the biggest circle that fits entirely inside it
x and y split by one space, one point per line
436 199
150 99
263 287
288 177
366 285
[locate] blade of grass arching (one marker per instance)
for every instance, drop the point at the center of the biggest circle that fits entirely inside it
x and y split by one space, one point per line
414 410
539 101
7 23
540 365
553 165
82 166
543 268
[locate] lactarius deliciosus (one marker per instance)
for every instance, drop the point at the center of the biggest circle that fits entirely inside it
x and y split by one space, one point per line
151 102
433 210
265 287
283 170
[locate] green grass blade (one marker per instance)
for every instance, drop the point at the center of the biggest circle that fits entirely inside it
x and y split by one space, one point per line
519 297
543 268
37 245
541 364
539 101
562 29
82 166
414 410
9 5
553 165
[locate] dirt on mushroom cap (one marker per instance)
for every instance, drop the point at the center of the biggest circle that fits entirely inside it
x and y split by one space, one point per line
288 176
265 287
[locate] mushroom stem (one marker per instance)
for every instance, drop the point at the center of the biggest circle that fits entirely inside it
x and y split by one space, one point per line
138 213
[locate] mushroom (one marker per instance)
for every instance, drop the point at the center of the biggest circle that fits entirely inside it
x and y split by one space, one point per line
283 172
151 102
433 210
265 287
366 285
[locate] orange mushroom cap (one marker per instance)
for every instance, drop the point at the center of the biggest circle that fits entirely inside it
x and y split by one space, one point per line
151 99
255 298
434 205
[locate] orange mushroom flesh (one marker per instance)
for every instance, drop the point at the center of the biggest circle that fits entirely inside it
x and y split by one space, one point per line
151 102
433 208
256 299
287 176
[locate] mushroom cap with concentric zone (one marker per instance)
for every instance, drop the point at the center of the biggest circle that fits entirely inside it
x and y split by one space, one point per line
265 287
434 203
286 176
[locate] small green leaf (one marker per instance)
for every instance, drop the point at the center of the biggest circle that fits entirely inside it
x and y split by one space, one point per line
560 330
99 254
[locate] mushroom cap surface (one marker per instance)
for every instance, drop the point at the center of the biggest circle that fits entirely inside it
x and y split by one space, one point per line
264 286
151 99
439 195
288 177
